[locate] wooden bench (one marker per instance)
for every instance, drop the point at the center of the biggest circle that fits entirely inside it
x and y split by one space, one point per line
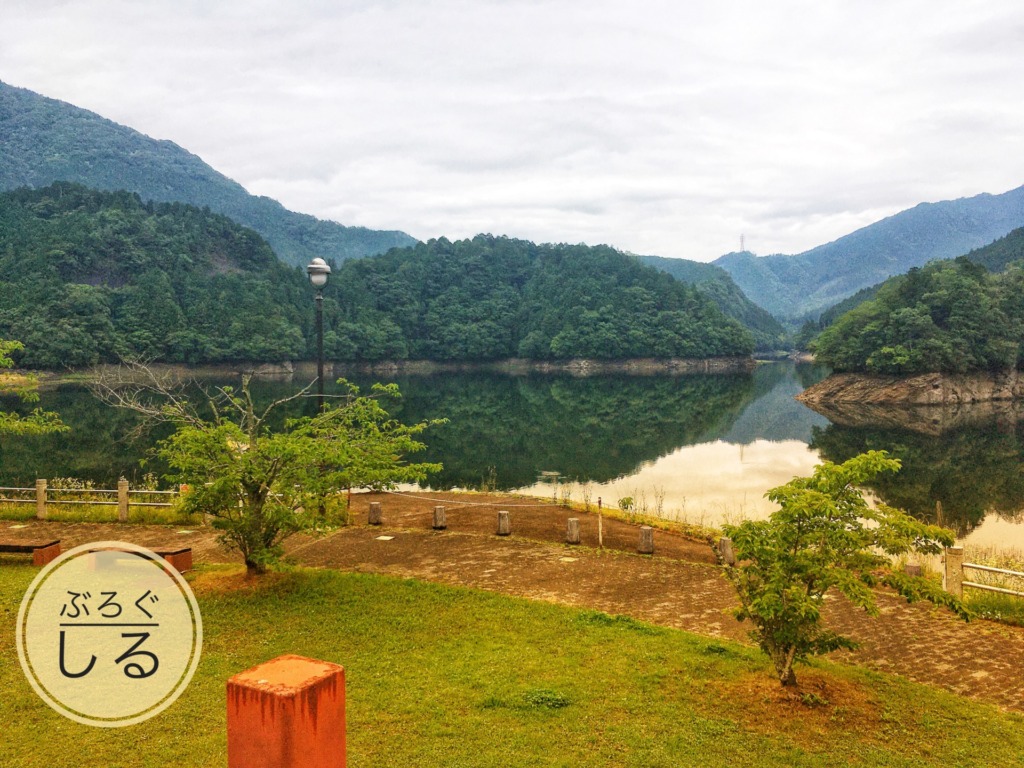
42 550
180 558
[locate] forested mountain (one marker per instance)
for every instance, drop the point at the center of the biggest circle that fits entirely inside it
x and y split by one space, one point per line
43 140
812 326
89 276
767 331
792 286
495 297
995 257
949 316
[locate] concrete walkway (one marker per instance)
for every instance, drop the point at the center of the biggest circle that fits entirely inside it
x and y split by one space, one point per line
982 660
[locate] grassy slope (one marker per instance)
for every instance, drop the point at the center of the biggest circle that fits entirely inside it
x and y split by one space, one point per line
438 676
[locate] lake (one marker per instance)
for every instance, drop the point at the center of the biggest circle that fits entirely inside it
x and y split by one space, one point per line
700 448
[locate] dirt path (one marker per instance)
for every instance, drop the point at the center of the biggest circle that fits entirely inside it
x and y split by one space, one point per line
678 587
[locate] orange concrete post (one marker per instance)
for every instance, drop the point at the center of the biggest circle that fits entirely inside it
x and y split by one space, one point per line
287 713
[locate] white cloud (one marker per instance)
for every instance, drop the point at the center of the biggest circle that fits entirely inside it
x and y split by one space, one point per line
658 127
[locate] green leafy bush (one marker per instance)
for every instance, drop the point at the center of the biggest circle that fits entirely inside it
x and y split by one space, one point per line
825 537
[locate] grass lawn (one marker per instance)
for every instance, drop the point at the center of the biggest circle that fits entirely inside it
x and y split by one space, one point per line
99 514
439 676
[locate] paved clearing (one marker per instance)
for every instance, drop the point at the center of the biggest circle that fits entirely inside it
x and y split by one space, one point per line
678 587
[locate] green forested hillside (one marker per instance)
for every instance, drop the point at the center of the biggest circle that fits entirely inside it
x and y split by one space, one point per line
495 297
811 327
43 140
792 286
997 256
833 313
89 276
767 331
951 316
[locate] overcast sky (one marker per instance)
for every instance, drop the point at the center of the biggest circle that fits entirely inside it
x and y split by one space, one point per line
666 128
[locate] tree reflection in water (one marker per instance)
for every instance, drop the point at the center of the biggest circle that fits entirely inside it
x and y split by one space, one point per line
969 461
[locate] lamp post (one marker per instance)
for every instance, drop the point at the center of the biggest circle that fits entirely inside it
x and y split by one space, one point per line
318 272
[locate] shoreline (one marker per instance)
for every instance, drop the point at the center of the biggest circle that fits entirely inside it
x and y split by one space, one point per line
574 367
925 389
511 366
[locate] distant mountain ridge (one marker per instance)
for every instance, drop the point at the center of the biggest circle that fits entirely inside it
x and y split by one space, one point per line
791 287
43 140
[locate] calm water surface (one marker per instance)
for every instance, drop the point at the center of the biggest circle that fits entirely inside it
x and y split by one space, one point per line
703 448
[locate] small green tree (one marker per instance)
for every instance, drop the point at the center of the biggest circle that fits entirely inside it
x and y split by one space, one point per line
24 386
261 485
825 536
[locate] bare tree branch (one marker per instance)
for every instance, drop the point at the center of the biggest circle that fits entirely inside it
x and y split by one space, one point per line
158 396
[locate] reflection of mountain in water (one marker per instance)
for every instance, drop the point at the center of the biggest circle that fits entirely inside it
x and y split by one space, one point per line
596 428
934 420
775 414
99 446
973 469
604 427
95 449
591 428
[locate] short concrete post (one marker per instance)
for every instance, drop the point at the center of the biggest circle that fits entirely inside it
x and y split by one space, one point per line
375 515
572 534
504 523
726 551
440 519
955 571
287 713
646 540
122 500
40 499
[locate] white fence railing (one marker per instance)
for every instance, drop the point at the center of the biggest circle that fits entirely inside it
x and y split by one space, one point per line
42 496
954 572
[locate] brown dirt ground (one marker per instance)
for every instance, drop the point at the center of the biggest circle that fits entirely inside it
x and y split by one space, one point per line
679 586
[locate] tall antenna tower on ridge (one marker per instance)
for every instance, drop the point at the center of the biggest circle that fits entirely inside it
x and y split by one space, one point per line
743 243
